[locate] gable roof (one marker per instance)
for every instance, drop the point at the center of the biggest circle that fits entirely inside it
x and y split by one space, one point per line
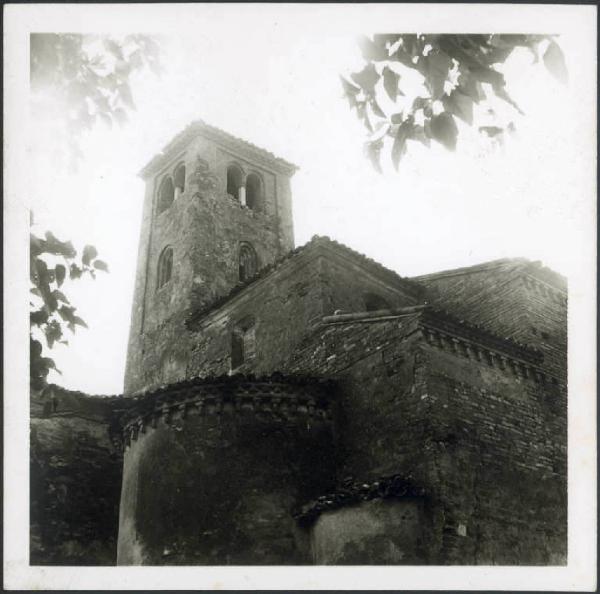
201 128
522 265
317 243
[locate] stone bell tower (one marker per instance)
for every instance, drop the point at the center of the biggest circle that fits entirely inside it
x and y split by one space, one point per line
216 210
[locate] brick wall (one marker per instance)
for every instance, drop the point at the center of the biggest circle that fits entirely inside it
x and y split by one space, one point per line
286 305
487 444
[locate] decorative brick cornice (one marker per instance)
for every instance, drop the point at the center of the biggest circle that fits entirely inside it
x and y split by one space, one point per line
276 396
448 324
520 361
442 330
395 486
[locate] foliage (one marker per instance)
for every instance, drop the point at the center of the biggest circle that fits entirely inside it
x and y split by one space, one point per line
89 77
51 262
76 80
458 72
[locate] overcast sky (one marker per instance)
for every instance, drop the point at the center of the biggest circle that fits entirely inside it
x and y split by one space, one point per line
272 77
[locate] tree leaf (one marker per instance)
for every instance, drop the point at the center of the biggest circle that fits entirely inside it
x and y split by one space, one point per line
418 133
101 265
371 50
460 105
60 296
436 66
373 151
75 271
399 146
59 273
89 253
80 322
126 97
366 79
444 130
60 248
390 83
501 92
38 317
376 109
554 60
350 92
491 131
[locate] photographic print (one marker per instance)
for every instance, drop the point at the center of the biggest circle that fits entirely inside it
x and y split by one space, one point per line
308 286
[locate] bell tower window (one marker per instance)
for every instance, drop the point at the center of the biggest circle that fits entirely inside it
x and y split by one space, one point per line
179 179
235 182
166 194
248 262
165 267
243 342
254 192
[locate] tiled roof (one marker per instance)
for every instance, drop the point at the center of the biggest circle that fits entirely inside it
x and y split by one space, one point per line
353 492
524 265
504 263
201 128
169 392
315 242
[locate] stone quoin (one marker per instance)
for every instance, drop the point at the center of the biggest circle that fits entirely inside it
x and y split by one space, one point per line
306 405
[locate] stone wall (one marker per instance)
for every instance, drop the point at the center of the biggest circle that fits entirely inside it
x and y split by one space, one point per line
214 470
75 484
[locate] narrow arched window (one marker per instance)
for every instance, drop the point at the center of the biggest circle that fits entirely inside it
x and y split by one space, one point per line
248 262
235 180
165 267
254 192
166 193
243 342
375 302
179 178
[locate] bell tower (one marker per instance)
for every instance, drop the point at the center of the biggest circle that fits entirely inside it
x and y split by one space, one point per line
216 210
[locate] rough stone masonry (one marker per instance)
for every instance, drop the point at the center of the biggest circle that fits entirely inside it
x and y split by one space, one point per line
306 405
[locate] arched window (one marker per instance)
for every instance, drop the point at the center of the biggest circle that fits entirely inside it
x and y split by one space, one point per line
243 342
248 262
166 193
235 180
375 302
165 267
179 177
254 192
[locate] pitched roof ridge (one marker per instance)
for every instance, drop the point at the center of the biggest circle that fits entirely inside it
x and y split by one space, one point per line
481 267
326 239
315 240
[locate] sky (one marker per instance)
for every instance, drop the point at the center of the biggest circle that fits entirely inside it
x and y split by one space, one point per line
273 79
